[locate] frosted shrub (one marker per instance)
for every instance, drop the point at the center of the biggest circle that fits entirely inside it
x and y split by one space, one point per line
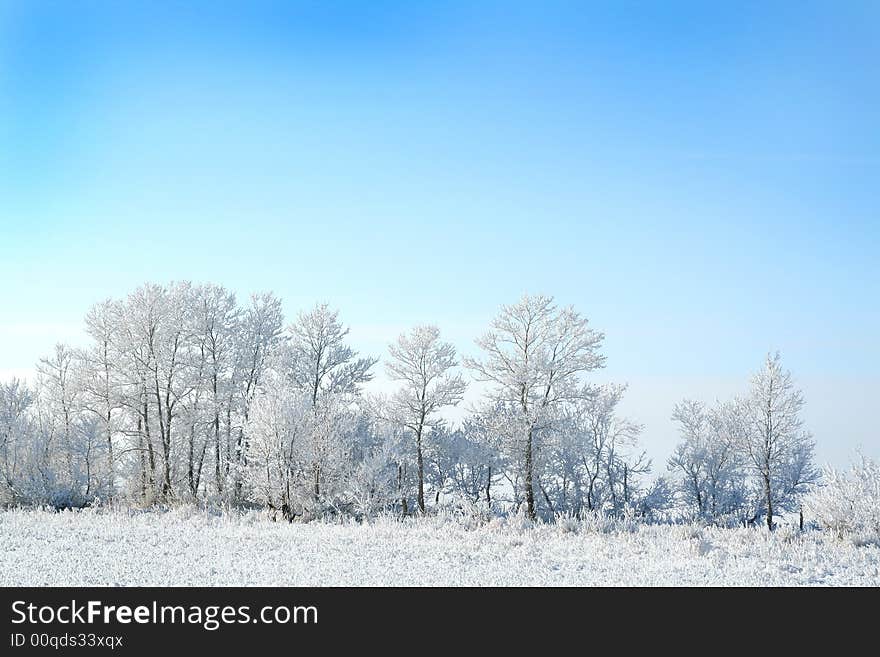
629 520
700 546
694 532
566 522
849 503
597 522
520 520
465 512
788 533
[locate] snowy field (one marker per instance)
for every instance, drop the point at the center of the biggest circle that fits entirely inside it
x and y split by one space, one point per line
191 547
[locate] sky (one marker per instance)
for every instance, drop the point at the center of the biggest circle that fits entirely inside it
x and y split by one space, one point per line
701 180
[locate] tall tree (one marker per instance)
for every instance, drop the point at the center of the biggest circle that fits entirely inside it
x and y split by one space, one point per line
101 395
319 360
61 395
16 441
216 332
779 450
423 363
320 363
535 356
259 337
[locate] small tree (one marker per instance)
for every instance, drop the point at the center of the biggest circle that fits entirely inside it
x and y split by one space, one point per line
849 503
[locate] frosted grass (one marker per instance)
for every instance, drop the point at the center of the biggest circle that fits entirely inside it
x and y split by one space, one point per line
198 548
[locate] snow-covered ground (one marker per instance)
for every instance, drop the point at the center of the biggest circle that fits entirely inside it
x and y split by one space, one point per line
192 547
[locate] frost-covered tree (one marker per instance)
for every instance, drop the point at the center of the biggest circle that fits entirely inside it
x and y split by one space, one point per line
373 483
278 421
259 337
319 363
59 400
288 435
160 322
707 462
772 437
71 439
655 500
465 462
216 332
18 456
142 316
183 395
534 357
592 461
423 363
605 443
101 393
848 503
690 455
625 466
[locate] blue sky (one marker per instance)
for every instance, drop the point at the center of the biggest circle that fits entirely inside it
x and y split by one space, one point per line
700 180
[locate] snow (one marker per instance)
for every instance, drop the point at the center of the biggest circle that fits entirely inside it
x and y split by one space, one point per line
194 547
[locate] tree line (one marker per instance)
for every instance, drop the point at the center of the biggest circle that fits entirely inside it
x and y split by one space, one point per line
185 395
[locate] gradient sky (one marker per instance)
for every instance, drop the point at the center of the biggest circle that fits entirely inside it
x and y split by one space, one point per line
700 180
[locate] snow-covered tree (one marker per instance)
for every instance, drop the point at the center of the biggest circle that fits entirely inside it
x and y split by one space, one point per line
259 337
708 464
606 441
771 435
72 446
848 503
465 462
183 395
423 363
17 444
372 483
318 362
101 392
216 332
534 357
278 421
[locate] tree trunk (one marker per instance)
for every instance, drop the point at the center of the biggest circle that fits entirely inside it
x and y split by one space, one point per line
317 468
143 462
530 490
768 494
404 507
547 499
241 458
166 456
89 467
201 464
421 467
488 487
218 478
111 484
150 452
191 457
